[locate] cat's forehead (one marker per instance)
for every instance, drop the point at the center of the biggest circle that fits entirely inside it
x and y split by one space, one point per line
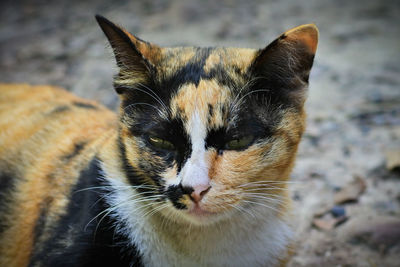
207 100
205 60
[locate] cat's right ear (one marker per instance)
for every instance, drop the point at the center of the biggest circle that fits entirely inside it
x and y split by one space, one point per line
135 57
285 64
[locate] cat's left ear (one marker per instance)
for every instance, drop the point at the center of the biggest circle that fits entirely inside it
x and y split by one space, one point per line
135 57
285 64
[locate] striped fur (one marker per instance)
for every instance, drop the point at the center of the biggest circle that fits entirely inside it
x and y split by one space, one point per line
81 186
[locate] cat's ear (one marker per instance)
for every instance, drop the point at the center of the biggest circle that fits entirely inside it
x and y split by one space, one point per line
135 57
285 64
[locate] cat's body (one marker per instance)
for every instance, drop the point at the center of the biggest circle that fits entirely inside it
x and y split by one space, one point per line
193 173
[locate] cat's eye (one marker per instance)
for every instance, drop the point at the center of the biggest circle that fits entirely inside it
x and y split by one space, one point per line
240 143
161 143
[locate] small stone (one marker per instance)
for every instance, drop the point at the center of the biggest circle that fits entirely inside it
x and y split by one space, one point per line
321 211
338 211
351 192
324 224
328 222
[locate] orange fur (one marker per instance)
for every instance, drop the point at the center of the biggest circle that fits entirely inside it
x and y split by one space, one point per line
27 147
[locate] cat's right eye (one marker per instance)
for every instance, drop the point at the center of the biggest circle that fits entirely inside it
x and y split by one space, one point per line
240 143
161 143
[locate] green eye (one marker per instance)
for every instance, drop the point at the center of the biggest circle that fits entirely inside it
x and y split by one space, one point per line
240 143
161 143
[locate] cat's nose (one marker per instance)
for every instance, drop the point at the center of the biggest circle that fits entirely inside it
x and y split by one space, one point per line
199 192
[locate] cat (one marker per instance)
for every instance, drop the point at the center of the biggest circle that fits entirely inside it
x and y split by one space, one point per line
194 170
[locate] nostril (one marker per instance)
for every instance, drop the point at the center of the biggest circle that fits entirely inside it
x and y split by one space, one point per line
199 192
205 191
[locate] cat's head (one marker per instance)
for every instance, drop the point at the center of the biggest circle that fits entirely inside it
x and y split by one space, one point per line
211 132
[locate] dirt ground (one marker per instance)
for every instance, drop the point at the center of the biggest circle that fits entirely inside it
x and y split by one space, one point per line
346 181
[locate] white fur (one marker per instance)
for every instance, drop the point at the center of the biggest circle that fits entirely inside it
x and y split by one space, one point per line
195 170
241 240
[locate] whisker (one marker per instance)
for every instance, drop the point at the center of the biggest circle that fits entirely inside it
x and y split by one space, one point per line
155 210
272 199
261 204
265 182
264 188
166 218
109 210
247 94
117 186
263 194
246 86
155 95
125 202
146 104
241 209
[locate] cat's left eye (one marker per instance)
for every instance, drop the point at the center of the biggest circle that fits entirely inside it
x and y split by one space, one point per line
240 143
161 143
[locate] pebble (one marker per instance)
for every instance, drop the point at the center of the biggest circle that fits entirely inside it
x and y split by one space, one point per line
351 192
338 211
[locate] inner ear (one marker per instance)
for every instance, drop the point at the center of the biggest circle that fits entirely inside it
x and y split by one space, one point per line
283 67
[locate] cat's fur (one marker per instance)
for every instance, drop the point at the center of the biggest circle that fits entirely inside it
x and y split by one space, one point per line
80 186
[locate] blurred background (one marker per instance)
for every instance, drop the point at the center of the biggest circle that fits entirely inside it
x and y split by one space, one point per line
346 187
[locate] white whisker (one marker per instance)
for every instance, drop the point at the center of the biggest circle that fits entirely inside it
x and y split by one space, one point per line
161 113
261 204
155 95
261 197
239 102
152 94
242 209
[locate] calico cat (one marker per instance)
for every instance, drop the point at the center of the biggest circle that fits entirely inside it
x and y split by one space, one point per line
192 172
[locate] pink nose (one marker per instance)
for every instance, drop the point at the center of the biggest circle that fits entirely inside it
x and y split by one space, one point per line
199 192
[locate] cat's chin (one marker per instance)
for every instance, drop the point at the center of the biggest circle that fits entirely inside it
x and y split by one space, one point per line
198 212
200 216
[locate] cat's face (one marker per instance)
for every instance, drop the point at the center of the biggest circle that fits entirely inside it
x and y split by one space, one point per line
210 132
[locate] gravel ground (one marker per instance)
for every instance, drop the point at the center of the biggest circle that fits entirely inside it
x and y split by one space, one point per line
347 178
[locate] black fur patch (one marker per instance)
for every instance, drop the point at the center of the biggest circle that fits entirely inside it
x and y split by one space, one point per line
175 193
194 71
76 241
59 109
210 110
249 124
84 105
216 138
6 188
78 147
